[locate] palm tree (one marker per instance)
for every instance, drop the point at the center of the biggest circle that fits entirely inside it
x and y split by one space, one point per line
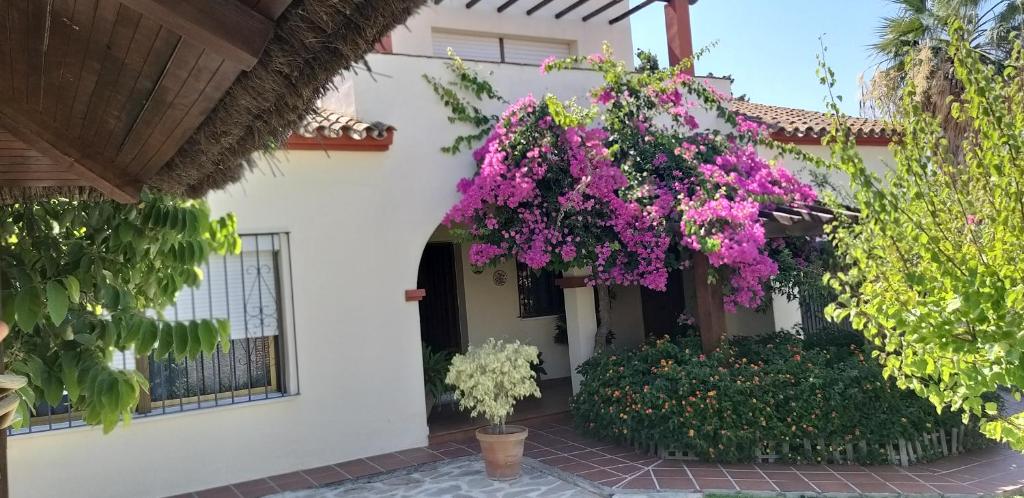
913 48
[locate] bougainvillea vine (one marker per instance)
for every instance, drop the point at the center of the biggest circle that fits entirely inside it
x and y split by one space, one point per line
627 186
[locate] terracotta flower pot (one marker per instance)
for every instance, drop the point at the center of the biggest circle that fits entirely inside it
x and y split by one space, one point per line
503 453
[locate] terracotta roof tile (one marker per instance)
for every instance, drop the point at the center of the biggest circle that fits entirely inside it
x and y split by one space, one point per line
802 123
331 124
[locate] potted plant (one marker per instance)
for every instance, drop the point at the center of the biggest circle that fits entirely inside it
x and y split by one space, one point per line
435 367
488 381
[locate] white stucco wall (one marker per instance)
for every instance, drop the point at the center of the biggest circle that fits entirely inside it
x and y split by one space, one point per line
585 37
358 222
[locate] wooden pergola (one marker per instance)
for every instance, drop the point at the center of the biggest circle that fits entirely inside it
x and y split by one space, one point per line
104 97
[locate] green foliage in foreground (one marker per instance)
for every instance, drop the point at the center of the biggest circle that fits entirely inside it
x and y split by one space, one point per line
771 389
78 279
936 260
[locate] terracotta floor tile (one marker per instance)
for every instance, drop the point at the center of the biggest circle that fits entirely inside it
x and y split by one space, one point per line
559 460
598 475
258 492
587 455
754 485
934 479
676 483
577 467
609 461
639 483
670 464
541 453
745 474
627 469
611 483
221 492
289 477
793 486
860 477
873 487
389 461
898 477
919 488
454 452
243 487
295 485
716 473
715 484
328 478
670 472
358 468
954 489
782 475
833 487
821 476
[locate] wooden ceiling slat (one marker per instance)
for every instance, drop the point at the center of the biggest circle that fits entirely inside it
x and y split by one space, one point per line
112 114
111 61
179 69
211 79
19 26
115 73
26 160
115 184
37 38
37 175
6 71
145 83
78 45
26 152
103 26
226 27
38 168
55 57
45 183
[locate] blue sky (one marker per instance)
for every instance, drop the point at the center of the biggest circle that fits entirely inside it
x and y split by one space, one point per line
769 46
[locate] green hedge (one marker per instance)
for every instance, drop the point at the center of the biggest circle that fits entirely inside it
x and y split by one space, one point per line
807 402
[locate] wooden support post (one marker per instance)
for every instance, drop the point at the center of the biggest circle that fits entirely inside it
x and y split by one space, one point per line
710 306
677 31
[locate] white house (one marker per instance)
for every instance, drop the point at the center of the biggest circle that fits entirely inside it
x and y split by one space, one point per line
342 233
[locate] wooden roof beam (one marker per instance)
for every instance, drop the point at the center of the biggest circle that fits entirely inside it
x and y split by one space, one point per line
113 185
225 27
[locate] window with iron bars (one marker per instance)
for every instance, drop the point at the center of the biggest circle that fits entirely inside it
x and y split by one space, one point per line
253 291
539 295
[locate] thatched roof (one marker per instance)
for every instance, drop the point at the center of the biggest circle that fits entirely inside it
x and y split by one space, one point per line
314 41
253 81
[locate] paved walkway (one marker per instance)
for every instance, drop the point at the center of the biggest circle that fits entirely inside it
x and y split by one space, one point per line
616 469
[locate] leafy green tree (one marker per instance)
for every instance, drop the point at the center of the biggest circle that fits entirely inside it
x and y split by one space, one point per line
82 279
914 48
936 259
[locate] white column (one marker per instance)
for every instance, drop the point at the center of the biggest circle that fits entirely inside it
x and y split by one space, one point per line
787 313
580 323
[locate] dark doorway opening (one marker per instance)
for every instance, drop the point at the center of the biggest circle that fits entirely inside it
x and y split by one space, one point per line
439 309
662 309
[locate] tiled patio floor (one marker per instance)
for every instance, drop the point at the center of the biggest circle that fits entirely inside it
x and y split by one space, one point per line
991 471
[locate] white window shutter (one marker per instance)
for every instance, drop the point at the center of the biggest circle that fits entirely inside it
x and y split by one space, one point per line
469 47
534 52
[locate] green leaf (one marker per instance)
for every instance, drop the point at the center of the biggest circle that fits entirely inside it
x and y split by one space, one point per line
208 335
28 307
165 343
195 340
180 340
74 289
224 331
147 337
56 301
